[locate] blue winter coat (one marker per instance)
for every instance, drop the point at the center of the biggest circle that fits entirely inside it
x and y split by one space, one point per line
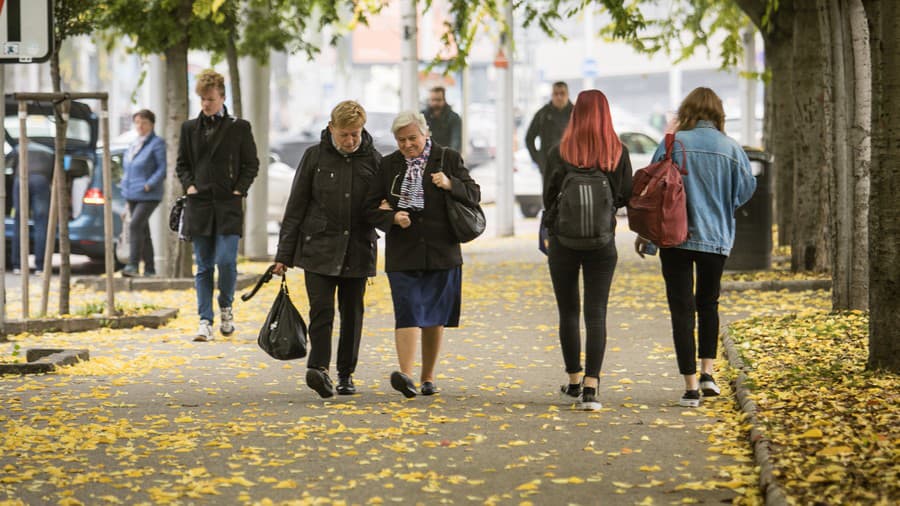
147 168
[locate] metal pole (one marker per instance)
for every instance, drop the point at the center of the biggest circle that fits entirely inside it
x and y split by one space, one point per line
749 84
256 110
505 197
409 51
3 205
466 100
23 211
107 208
159 225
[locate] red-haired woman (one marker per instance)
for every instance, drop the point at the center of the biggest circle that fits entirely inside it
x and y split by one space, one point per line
588 177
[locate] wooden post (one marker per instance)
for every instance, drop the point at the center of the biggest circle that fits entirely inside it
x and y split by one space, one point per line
107 208
23 211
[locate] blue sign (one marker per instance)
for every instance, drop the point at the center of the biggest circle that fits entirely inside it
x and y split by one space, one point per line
589 68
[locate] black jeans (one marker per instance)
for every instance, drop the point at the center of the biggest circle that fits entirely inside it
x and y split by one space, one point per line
684 304
139 241
597 267
350 293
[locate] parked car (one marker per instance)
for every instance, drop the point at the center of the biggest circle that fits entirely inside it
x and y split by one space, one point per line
81 165
281 177
527 181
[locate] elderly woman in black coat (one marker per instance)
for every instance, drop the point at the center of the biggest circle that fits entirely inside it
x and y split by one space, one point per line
423 260
324 233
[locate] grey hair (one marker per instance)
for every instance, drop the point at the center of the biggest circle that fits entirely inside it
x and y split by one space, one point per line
406 118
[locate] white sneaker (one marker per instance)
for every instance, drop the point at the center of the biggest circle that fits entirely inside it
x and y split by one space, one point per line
227 325
204 332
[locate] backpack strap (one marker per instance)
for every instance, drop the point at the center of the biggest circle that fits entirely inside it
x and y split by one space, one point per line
670 145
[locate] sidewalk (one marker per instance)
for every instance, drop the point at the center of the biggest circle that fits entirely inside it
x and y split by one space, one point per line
156 418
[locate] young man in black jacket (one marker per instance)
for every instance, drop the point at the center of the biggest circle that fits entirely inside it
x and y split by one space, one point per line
325 233
216 165
548 124
444 123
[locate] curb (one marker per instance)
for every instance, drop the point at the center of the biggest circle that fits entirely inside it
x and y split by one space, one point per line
121 284
154 320
44 360
799 285
772 492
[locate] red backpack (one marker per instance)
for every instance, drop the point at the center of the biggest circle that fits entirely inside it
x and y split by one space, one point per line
657 209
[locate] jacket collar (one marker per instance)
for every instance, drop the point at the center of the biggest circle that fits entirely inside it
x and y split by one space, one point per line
704 123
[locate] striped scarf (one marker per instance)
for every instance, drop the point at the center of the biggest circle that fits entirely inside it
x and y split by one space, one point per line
412 194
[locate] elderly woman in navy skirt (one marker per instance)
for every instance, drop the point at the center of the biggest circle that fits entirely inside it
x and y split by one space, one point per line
423 259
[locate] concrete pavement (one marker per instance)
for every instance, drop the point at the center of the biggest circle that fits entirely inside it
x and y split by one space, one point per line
155 418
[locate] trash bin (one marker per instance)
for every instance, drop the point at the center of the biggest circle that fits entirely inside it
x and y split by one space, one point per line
753 221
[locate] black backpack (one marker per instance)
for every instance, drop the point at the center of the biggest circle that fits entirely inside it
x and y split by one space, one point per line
585 210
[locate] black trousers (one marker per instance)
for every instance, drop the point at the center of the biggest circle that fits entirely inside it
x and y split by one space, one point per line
350 293
678 270
597 267
139 241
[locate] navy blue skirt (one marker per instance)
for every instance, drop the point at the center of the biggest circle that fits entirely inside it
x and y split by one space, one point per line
426 298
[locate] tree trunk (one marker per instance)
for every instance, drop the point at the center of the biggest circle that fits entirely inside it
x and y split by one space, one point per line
179 252
780 125
55 78
63 203
234 74
860 137
812 138
884 206
839 195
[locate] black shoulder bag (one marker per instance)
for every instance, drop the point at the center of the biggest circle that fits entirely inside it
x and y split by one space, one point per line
283 334
466 221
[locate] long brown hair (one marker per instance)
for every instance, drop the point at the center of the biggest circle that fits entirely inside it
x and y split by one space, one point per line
700 104
590 140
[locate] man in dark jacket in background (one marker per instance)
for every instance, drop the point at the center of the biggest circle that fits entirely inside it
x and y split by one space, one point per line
324 233
548 124
216 164
445 125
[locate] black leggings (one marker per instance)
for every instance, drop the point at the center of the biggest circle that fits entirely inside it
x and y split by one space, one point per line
678 271
597 267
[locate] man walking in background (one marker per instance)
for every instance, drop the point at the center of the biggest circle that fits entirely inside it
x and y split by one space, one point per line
548 124
216 165
445 125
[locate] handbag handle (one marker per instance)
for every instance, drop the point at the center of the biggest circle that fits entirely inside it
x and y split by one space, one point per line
265 278
670 145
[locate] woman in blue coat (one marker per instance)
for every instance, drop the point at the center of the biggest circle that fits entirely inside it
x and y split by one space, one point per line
142 187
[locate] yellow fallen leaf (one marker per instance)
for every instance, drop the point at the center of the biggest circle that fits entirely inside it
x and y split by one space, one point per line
812 434
834 450
650 469
531 485
286 484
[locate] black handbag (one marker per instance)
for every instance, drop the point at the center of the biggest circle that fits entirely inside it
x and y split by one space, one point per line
283 334
466 221
177 218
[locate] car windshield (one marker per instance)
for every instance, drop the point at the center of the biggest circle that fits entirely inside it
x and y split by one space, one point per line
40 126
638 143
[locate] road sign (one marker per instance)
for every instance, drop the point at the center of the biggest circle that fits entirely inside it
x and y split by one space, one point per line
26 31
589 68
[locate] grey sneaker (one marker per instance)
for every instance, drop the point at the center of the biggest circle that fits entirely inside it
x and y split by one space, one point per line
205 332
227 325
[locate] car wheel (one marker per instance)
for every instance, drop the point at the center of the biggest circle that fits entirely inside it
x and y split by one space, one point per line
530 210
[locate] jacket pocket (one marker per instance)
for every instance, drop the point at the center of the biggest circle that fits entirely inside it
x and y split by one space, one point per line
312 225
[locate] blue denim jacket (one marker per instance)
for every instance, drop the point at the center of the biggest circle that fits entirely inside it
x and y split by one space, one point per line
717 183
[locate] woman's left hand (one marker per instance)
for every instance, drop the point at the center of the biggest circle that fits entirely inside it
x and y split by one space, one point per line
441 181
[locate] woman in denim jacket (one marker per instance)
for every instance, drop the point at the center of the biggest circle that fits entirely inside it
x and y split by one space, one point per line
718 181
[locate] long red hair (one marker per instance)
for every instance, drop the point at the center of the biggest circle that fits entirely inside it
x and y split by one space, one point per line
590 140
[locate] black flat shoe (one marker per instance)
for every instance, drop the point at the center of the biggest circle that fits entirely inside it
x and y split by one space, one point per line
403 384
319 381
346 386
428 388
